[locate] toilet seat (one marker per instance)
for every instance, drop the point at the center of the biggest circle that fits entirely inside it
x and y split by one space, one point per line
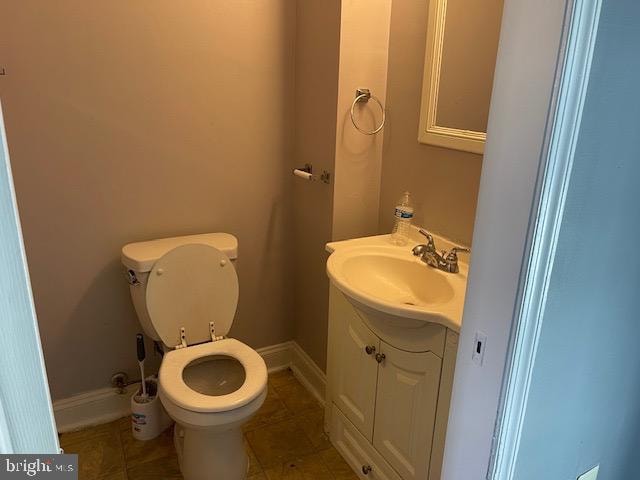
177 391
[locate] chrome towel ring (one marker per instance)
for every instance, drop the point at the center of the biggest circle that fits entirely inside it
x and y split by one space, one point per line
363 95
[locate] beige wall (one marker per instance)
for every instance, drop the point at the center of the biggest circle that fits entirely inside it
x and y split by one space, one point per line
317 50
364 45
135 120
444 182
470 47
340 45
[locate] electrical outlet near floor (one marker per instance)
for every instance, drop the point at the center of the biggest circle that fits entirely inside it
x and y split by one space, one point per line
591 474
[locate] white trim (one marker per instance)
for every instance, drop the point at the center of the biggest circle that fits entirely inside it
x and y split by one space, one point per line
572 93
277 357
105 405
308 373
92 408
429 132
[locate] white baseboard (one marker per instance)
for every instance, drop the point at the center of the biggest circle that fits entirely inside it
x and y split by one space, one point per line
308 372
105 405
92 408
277 357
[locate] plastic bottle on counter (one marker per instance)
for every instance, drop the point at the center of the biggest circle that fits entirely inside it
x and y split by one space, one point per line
403 218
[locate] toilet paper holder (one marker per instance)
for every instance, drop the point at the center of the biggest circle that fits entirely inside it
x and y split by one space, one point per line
306 173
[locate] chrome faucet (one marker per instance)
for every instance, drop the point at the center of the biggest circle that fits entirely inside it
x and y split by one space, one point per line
428 253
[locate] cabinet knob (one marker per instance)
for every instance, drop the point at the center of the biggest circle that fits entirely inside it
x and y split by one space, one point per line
366 469
370 349
380 357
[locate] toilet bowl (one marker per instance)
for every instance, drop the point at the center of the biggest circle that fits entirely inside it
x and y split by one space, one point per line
185 291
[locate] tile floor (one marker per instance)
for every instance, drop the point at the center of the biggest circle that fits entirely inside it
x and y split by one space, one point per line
285 441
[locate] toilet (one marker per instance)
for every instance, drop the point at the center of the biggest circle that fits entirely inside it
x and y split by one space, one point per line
185 292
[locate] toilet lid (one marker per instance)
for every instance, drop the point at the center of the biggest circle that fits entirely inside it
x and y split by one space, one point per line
189 287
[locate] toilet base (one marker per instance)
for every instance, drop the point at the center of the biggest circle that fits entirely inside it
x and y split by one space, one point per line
204 454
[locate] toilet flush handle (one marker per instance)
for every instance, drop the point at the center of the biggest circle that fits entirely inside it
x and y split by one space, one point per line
132 278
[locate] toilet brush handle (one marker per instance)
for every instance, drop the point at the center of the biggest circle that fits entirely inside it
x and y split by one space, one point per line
141 355
140 347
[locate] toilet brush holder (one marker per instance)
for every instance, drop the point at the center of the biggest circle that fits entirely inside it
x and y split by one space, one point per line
148 417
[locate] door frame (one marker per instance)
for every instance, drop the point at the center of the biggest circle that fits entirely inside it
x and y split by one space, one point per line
574 80
27 424
536 110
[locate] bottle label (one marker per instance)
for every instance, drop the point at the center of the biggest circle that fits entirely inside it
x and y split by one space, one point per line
403 212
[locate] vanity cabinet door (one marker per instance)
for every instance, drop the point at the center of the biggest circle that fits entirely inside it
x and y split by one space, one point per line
354 372
405 410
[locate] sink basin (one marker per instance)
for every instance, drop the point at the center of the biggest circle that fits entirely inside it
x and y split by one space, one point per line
387 279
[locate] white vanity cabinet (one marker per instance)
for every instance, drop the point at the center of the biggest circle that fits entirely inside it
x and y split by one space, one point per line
355 379
387 407
406 401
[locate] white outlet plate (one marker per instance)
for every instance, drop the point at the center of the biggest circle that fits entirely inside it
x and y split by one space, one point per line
591 474
479 346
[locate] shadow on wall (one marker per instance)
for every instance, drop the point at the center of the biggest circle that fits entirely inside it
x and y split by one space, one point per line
265 278
105 307
357 179
356 143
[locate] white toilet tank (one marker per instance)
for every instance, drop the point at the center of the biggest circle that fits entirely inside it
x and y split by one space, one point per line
138 259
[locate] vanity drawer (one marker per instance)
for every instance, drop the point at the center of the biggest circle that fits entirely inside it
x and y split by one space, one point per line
357 451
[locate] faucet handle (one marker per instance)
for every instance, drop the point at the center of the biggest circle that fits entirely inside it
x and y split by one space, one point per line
452 256
430 241
425 233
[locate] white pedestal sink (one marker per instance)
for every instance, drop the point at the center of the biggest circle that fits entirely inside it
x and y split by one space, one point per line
390 283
